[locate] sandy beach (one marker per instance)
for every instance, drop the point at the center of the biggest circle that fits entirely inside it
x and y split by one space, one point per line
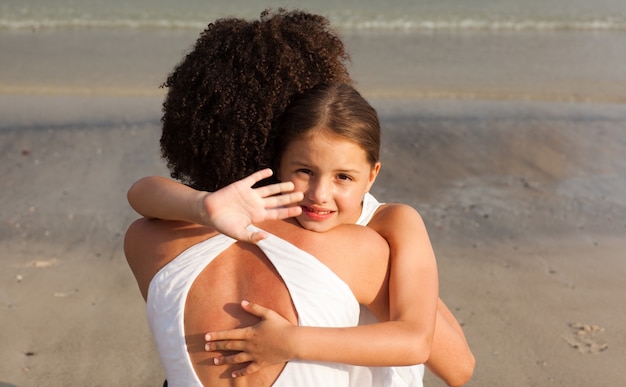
524 198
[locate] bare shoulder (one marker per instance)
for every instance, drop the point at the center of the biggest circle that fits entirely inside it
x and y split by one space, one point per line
149 244
148 238
156 235
395 219
362 261
396 210
360 237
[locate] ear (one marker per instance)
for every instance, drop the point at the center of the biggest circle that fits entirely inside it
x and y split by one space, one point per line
373 174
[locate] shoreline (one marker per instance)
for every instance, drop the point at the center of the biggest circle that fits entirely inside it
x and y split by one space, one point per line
574 66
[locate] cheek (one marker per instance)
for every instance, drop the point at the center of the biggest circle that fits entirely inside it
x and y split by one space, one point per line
300 185
351 203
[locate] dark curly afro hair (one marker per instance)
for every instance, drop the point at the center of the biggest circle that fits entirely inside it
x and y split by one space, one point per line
226 97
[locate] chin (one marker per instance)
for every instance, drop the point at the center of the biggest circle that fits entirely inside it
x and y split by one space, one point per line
316 226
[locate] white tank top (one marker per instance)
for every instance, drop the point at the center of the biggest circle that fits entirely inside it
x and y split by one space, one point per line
320 297
409 376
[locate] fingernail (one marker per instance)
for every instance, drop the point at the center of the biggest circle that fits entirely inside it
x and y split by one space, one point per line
245 303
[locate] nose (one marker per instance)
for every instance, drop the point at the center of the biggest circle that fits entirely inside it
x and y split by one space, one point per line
319 191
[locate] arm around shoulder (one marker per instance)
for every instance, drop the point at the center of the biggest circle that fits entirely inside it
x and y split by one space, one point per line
229 210
413 279
162 198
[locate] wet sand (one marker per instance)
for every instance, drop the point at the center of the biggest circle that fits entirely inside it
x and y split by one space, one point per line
525 201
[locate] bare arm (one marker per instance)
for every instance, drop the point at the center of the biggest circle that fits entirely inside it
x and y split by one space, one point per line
158 197
450 358
275 340
229 210
413 279
404 339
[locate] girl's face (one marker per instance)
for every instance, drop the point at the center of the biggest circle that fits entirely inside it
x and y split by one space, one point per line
334 175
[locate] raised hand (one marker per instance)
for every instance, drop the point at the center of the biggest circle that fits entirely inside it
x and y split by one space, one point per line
266 343
233 208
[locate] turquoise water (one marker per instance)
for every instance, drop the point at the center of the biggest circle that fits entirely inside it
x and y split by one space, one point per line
359 15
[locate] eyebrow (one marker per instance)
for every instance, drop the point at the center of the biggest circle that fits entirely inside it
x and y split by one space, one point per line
350 171
300 163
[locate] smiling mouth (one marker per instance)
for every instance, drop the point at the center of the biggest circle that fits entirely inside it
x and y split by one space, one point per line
312 210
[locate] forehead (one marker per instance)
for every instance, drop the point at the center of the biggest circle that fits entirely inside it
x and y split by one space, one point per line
325 146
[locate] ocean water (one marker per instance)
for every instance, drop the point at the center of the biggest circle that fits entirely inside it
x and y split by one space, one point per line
556 50
356 15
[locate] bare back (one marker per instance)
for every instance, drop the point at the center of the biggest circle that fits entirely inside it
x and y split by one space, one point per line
243 272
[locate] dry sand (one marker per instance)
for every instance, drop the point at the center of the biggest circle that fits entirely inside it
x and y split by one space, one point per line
525 203
72 314
526 207
527 222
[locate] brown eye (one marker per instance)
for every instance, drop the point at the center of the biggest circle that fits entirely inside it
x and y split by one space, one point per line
344 177
304 171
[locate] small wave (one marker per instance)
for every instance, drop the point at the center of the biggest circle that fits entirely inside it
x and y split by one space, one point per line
604 24
476 24
107 24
